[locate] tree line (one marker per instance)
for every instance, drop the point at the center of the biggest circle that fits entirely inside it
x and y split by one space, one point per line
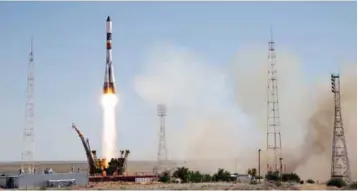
185 175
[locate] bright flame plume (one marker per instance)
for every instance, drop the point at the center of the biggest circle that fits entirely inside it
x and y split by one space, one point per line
109 134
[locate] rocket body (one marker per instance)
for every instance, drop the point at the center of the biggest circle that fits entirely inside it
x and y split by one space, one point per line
108 85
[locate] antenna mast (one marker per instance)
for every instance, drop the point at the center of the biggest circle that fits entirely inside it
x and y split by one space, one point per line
274 153
162 147
340 167
27 155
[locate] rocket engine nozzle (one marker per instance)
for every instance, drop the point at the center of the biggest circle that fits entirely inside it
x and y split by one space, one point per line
108 88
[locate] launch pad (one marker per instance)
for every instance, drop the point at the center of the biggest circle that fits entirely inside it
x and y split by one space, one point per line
101 170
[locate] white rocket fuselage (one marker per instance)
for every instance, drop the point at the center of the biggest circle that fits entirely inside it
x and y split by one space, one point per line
108 86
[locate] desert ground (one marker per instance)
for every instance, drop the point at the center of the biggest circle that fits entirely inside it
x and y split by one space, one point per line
205 186
147 166
133 166
66 166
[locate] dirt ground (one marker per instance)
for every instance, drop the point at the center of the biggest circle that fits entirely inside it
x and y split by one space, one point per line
204 186
65 166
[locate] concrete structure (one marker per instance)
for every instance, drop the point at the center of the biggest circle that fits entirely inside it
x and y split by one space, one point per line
31 181
243 177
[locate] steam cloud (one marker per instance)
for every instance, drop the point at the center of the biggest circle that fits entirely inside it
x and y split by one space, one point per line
220 113
306 111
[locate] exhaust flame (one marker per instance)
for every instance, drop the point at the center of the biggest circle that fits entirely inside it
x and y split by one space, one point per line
109 134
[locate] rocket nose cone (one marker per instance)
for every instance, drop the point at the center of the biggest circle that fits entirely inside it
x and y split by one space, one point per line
108 19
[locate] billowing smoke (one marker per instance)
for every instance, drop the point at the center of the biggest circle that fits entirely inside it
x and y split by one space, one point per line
306 111
219 114
203 122
316 153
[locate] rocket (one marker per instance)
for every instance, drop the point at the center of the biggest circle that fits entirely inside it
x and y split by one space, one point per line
108 85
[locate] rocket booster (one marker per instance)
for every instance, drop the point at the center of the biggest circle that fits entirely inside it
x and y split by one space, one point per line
108 86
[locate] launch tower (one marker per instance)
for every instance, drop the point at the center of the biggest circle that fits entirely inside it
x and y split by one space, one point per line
340 167
162 147
27 155
274 153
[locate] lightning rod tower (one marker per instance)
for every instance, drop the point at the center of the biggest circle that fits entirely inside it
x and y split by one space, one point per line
162 147
340 167
273 145
27 155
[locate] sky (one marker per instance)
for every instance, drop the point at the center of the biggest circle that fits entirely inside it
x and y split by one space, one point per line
69 53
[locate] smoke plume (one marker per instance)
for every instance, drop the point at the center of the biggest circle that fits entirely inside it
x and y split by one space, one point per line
316 153
203 122
218 115
306 109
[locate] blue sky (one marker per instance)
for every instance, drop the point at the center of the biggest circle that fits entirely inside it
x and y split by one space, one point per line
69 49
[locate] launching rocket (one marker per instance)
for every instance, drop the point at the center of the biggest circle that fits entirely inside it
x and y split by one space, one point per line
108 86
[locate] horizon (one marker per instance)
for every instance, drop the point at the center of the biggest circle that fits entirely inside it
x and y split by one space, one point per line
203 60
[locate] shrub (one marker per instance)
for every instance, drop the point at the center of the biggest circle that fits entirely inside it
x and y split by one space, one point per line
182 173
207 178
302 182
222 175
195 176
310 181
292 177
164 177
272 176
337 182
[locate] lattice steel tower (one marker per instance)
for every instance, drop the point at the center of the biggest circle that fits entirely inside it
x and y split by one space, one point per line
27 155
274 153
162 147
340 167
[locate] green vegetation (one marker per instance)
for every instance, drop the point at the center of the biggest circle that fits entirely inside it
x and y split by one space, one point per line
286 177
186 175
165 177
222 176
290 177
272 176
310 181
337 182
183 174
195 177
207 178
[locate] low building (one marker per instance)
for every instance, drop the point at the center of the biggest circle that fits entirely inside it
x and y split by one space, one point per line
243 177
32 181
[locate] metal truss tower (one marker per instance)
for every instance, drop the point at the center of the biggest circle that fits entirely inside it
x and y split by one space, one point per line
27 155
274 153
340 167
162 147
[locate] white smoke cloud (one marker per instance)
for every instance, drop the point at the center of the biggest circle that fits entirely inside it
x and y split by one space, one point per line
250 72
306 108
202 96
220 113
